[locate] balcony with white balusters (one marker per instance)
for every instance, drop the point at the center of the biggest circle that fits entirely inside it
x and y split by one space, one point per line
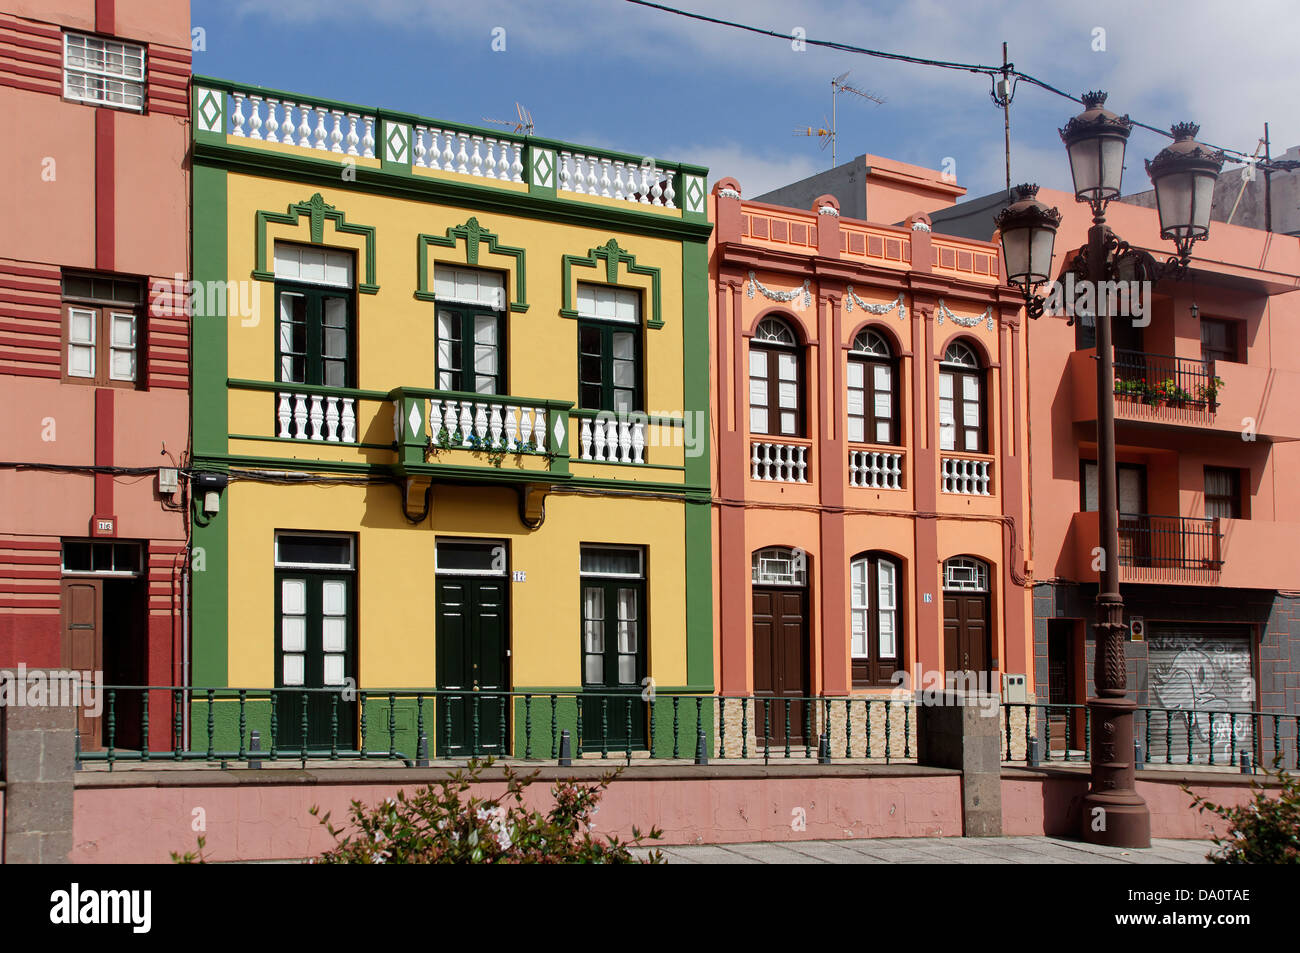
966 474
400 143
774 460
876 467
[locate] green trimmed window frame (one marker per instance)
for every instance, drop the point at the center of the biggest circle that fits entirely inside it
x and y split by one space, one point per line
466 360
611 369
315 335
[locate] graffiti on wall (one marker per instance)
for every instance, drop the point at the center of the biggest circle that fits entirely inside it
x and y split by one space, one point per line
1200 680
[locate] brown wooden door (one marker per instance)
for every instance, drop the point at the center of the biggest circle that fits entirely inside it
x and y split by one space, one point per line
966 632
1063 723
781 675
83 643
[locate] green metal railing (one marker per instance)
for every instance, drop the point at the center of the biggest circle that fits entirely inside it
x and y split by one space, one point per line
159 724
413 726
1171 736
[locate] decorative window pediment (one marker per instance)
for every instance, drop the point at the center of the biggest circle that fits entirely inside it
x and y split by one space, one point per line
473 235
612 256
318 212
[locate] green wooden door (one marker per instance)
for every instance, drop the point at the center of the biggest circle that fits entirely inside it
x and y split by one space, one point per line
472 639
315 649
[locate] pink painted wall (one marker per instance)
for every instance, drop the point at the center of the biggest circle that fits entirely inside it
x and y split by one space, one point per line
119 823
271 821
1062 389
1037 806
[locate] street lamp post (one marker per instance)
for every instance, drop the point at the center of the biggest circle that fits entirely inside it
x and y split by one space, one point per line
1183 175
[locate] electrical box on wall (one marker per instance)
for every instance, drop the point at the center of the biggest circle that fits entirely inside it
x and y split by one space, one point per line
1015 689
168 481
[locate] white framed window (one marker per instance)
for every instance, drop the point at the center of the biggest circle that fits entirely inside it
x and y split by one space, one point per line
487 289
615 562
471 557
607 303
100 557
102 71
314 551
962 574
779 566
312 264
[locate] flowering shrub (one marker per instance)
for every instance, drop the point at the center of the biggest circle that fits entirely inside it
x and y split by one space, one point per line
1264 831
438 824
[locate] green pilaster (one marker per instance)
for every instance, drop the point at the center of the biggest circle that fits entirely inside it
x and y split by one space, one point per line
699 524
209 608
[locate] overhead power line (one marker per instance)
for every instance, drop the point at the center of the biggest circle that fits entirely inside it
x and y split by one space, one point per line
979 68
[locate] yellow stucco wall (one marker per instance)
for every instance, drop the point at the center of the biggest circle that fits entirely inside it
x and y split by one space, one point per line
396 574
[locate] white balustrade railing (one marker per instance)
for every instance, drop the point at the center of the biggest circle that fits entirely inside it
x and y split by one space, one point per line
643 184
962 475
876 469
484 157
316 417
609 439
455 422
297 123
780 462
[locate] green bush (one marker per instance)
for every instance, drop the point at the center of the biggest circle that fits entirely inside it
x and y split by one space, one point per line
438 824
1264 831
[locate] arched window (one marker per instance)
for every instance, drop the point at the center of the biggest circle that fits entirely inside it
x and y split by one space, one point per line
779 566
875 618
775 380
964 574
872 396
962 401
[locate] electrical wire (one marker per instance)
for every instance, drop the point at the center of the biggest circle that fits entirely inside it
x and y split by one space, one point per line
979 68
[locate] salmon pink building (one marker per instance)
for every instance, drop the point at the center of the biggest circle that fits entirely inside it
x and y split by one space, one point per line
1207 386
870 476
94 344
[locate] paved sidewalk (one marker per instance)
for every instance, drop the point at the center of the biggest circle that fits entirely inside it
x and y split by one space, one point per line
940 850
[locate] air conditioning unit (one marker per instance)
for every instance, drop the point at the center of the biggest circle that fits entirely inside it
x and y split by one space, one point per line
168 481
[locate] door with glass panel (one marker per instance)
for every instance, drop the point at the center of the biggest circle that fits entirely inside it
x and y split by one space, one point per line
613 647
315 339
469 350
473 636
315 595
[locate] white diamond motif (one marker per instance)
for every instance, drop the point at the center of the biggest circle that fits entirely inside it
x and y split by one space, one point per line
542 168
414 418
209 110
559 433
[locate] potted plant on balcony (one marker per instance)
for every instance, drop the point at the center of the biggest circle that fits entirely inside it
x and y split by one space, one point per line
1209 391
1130 388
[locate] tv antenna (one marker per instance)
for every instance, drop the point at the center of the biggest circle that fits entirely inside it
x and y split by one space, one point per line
838 85
523 123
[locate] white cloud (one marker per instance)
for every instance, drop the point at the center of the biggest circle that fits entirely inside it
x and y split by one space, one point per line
1202 59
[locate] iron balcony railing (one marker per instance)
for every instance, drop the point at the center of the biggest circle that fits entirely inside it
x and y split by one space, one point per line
1148 541
1168 736
1162 380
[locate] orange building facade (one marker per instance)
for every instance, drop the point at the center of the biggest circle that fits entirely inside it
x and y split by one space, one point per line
869 480
1207 382
94 340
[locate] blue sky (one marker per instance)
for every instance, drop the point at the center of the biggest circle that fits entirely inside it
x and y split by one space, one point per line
608 73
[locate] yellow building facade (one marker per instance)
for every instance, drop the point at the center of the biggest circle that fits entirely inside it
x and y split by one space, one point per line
451 405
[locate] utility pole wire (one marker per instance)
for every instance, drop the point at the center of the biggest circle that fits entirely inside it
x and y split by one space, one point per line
991 71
